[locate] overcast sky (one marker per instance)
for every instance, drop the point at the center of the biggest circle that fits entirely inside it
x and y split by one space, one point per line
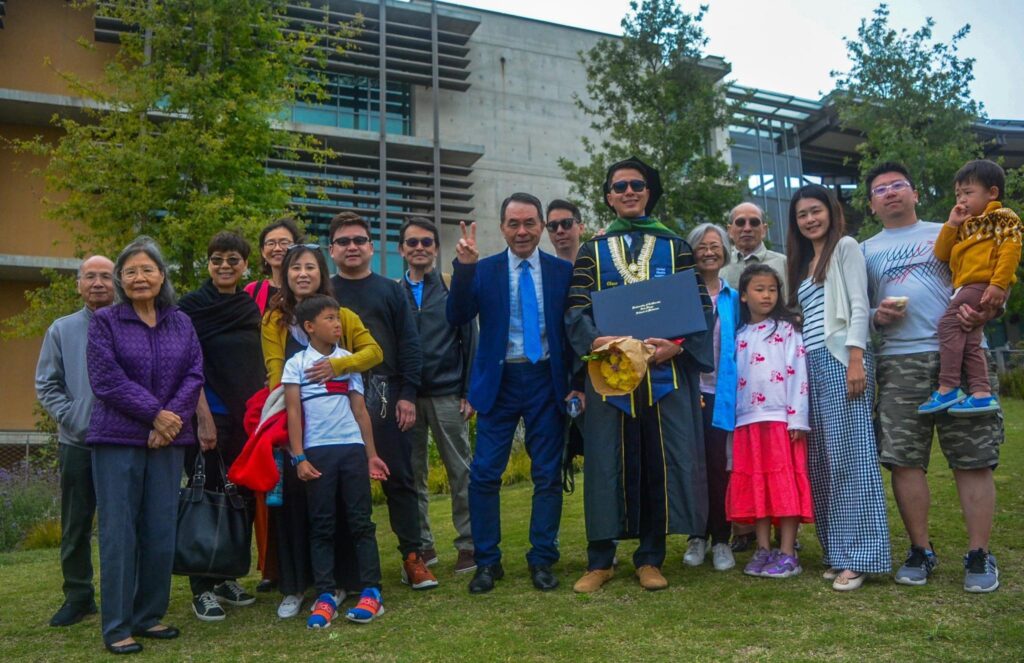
790 46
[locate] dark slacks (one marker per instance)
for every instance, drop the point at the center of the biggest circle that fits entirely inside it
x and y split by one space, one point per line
344 481
526 393
77 508
231 439
717 461
395 449
137 502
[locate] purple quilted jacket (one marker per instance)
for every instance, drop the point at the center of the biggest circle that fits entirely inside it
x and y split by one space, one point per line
136 371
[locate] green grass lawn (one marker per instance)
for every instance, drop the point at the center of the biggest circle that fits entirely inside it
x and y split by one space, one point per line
704 615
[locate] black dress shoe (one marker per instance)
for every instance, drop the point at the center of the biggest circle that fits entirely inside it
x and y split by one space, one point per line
543 578
168 633
266 585
132 648
483 579
72 613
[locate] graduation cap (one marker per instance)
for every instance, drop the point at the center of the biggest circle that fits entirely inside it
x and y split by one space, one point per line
651 176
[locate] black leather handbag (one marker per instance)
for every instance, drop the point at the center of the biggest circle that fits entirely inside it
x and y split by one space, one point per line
214 536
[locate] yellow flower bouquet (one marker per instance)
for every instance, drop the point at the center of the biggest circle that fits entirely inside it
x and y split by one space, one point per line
617 367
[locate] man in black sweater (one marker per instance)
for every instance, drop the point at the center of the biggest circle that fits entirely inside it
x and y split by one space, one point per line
441 405
391 386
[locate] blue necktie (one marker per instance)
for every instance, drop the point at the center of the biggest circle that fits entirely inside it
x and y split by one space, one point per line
530 315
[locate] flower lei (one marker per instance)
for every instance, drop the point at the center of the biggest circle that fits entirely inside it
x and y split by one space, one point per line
633 272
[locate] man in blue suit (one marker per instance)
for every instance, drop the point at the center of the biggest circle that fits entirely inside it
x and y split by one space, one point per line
520 372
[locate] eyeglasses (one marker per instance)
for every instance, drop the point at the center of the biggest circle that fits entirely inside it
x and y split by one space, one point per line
565 224
743 221
311 247
358 240
895 187
132 272
413 242
638 186
233 261
283 243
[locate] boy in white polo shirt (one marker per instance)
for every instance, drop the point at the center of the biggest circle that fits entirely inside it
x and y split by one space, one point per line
332 449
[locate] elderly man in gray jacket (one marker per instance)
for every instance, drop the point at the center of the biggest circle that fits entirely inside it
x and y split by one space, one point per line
62 386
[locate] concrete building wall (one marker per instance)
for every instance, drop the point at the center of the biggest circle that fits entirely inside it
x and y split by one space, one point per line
520 109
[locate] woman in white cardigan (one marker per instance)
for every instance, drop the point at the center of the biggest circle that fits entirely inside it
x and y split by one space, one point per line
828 281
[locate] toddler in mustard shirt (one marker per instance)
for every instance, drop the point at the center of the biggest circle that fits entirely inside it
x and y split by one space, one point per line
981 241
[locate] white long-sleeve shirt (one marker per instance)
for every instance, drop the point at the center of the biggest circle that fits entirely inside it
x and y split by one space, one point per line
772 375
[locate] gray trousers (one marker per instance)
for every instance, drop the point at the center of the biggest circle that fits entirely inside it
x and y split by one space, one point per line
137 501
77 508
440 414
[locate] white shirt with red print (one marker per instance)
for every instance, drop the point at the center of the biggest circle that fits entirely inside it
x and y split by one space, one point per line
772 375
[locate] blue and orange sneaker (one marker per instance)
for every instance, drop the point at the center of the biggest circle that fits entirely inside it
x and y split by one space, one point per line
370 607
323 611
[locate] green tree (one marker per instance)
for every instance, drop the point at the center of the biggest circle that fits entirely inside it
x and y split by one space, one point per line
909 97
648 95
178 133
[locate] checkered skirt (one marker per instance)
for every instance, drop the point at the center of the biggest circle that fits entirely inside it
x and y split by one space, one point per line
846 483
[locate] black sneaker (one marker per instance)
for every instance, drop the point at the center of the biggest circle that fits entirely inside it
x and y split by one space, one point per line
742 542
206 608
919 565
231 592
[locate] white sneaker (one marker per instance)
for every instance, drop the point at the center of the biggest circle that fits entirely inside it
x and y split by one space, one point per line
696 551
290 605
721 556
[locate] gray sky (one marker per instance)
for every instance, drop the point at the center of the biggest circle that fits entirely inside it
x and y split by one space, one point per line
790 46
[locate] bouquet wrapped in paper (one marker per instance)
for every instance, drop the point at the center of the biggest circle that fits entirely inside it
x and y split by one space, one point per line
617 367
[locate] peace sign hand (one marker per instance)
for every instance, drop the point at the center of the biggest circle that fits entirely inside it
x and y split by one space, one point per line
466 250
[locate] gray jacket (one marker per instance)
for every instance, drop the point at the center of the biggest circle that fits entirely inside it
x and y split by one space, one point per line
62 379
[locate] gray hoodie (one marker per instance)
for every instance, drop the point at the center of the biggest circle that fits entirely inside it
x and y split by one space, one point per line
62 379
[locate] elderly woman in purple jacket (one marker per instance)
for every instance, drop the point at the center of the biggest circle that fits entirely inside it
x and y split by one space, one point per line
146 370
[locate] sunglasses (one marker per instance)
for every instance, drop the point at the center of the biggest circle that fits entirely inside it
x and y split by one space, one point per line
895 187
565 224
311 247
742 221
425 242
638 186
233 261
358 240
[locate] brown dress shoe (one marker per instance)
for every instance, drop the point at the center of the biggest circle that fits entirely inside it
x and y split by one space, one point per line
592 580
651 578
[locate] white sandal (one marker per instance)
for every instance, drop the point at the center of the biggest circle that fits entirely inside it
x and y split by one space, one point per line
831 574
844 584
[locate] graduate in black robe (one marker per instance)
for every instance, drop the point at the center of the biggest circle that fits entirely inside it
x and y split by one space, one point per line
643 463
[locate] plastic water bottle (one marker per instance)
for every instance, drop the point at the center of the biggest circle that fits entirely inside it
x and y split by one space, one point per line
276 496
575 407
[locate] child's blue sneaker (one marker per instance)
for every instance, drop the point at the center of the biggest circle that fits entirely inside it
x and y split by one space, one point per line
370 607
975 407
323 611
938 402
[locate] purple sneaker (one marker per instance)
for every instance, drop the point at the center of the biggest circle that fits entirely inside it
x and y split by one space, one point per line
755 567
781 565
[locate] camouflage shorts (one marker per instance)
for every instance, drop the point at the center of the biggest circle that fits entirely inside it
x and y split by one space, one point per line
905 438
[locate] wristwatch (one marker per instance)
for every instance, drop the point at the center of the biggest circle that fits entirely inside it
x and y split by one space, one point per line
298 459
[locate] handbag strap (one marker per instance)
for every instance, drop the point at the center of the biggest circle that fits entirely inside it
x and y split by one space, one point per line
230 489
198 478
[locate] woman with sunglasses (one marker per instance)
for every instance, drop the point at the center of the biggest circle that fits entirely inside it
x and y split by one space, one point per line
227 322
304 273
828 280
275 240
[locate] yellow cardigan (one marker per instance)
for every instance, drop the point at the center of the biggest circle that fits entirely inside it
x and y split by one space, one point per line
984 249
355 338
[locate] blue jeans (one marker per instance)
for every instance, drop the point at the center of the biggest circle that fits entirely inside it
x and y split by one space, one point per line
526 393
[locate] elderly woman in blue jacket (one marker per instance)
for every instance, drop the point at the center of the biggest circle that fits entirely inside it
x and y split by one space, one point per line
718 393
146 370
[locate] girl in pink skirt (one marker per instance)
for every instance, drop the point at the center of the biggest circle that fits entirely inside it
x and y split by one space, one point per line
769 481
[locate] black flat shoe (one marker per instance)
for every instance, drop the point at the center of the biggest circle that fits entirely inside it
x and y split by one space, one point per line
543 578
268 586
168 633
72 613
131 648
483 579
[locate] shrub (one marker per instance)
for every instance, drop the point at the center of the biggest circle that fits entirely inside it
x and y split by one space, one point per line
42 535
26 499
1011 383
